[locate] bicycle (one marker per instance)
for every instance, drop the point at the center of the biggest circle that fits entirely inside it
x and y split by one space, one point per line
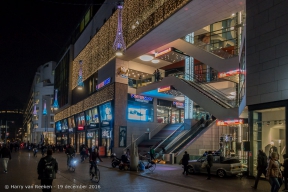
149 165
96 173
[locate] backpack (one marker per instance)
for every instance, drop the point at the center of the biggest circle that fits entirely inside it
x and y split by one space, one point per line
48 169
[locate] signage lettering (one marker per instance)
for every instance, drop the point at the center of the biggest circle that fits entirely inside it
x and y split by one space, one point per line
178 104
90 134
163 52
163 89
80 128
103 83
230 73
229 122
141 97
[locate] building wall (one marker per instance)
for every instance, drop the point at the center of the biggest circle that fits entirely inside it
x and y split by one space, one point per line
98 20
267 55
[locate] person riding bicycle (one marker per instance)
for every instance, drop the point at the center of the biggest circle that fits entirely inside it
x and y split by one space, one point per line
70 151
93 157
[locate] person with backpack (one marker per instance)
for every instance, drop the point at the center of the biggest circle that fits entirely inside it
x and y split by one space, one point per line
70 152
47 169
261 167
185 161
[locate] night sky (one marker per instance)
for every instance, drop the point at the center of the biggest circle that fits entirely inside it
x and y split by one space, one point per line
33 32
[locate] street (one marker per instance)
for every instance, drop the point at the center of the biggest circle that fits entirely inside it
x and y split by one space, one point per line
22 175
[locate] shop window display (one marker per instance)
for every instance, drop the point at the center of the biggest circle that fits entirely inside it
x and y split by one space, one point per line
71 122
140 111
80 121
106 111
92 116
268 133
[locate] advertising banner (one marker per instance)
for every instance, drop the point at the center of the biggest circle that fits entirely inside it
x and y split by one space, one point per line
122 136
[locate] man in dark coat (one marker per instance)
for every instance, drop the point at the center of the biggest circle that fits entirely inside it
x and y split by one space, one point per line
185 161
261 166
209 164
47 169
6 156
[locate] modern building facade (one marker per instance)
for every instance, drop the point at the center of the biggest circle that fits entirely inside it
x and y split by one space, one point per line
215 58
39 113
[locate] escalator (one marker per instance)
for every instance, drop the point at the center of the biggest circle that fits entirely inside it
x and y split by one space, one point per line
191 136
205 95
212 54
161 136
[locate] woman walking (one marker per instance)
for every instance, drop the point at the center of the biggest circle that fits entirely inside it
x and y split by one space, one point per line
274 174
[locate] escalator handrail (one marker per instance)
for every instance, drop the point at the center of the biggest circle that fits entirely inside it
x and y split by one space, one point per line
186 135
207 87
195 77
180 127
191 135
176 139
183 148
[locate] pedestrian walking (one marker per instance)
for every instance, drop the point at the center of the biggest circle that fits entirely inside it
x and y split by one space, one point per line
47 169
185 161
6 156
155 75
209 164
261 167
285 171
274 174
158 74
35 150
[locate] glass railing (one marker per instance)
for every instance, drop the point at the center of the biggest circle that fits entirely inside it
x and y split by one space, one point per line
223 43
139 82
207 89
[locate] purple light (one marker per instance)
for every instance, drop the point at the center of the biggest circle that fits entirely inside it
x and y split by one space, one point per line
119 44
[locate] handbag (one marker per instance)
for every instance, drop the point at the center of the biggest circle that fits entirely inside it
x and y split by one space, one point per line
204 164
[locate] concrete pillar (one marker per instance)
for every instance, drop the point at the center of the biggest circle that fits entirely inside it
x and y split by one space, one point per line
134 158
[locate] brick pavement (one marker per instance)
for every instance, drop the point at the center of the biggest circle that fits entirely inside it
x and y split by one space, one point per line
173 174
22 172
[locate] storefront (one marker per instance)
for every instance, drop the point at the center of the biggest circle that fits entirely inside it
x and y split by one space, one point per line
80 124
61 132
268 132
140 108
233 136
170 111
106 129
92 125
71 131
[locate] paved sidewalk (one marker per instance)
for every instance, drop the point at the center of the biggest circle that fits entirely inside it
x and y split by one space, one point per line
173 174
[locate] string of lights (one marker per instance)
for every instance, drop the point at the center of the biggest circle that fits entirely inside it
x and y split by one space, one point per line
78 4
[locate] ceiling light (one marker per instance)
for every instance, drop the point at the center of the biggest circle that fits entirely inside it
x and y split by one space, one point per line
146 57
180 98
119 53
233 14
155 61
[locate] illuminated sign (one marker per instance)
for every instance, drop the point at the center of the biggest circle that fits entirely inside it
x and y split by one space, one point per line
163 52
90 134
231 73
178 104
163 89
141 98
103 83
80 128
229 122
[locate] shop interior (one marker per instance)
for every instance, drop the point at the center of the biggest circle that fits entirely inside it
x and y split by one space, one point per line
269 133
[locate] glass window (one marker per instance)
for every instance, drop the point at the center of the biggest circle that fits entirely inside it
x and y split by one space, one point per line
92 116
71 122
268 133
80 120
64 125
58 126
139 111
163 114
106 111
